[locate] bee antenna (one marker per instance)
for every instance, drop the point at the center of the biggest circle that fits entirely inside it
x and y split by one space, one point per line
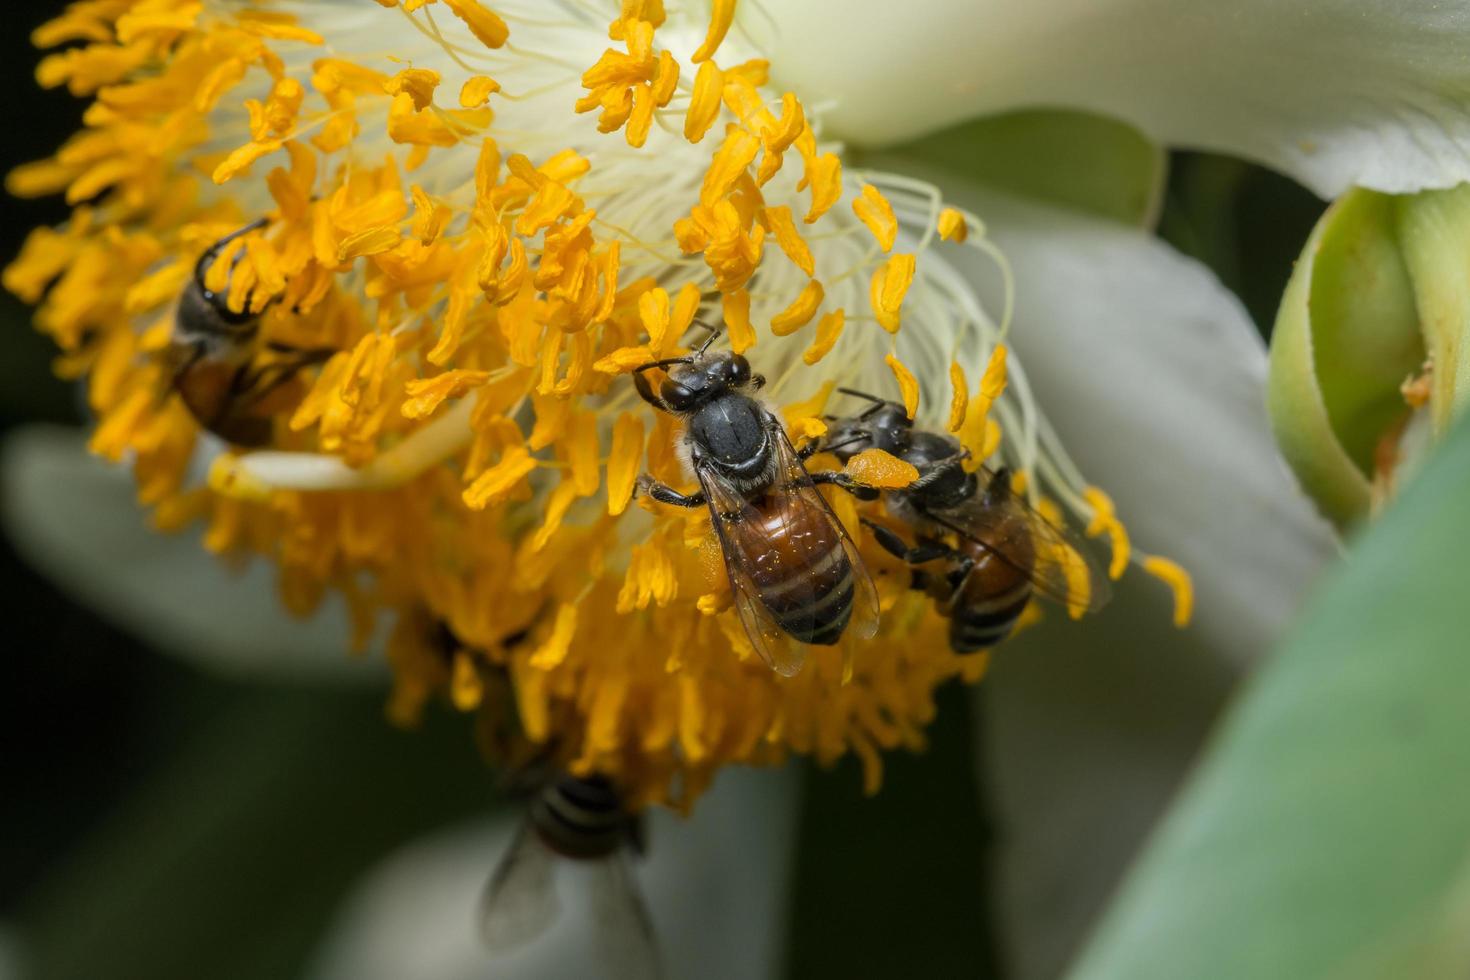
714 333
201 268
863 394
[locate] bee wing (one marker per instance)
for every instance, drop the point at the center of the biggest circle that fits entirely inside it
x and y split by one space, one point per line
623 928
1065 567
736 523
519 902
864 622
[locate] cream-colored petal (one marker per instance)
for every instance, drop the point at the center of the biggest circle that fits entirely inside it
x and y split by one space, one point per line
1332 92
74 518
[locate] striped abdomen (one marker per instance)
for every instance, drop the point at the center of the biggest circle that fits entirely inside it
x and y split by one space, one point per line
798 566
991 599
580 818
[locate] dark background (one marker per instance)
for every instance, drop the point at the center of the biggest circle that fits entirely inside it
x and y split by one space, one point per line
142 835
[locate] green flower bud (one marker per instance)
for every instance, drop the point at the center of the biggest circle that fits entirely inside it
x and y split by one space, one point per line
1370 348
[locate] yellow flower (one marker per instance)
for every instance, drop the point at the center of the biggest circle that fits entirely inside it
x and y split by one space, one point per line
482 219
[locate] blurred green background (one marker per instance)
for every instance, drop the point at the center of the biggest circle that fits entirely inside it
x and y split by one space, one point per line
161 821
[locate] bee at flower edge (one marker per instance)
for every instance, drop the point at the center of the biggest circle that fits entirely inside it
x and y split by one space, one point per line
582 820
793 569
995 550
226 376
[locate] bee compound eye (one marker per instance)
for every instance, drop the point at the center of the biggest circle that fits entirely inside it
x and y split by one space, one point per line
739 370
677 395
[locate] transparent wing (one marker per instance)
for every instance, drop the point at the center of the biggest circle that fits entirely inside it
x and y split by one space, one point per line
622 927
864 621
520 902
1060 563
737 525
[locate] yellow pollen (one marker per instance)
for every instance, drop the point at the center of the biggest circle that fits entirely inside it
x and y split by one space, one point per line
876 468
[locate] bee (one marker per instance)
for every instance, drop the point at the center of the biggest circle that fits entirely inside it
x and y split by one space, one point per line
212 357
793 569
1003 551
581 820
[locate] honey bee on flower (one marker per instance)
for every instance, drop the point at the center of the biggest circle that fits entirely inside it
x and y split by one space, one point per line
481 237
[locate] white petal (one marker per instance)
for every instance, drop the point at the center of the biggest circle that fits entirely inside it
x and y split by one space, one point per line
716 885
74 518
1087 730
1153 375
1332 92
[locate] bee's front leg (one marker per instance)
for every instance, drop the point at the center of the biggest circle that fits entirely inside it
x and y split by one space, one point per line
665 494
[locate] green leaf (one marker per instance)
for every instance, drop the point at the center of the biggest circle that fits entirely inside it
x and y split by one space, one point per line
1327 833
1094 165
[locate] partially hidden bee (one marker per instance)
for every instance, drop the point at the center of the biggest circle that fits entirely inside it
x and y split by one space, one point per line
581 820
793 569
994 551
215 361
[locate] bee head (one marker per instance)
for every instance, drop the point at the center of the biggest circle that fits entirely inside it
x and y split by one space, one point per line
202 311
705 377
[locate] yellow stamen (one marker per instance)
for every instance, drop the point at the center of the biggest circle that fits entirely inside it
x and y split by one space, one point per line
891 282
952 227
801 310
722 15
873 210
737 321
623 462
907 384
829 329
1179 581
960 401
1105 521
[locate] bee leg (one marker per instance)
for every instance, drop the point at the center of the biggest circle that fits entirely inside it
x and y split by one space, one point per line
935 472
839 479
810 449
668 495
926 550
757 381
302 357
961 572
